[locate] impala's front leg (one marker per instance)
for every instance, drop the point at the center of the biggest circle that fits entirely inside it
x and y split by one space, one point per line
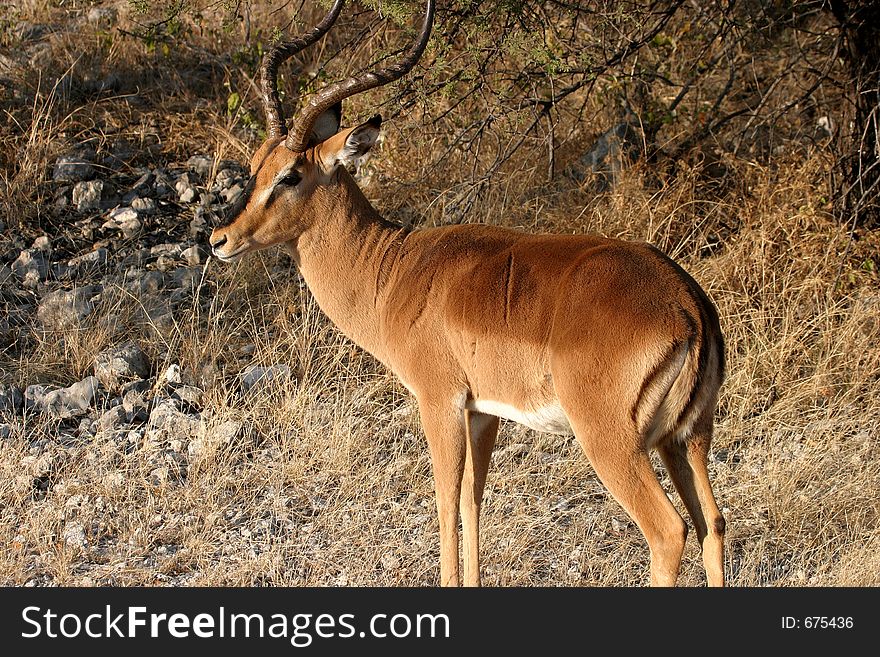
444 425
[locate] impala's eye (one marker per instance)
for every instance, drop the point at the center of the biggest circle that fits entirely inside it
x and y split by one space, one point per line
292 179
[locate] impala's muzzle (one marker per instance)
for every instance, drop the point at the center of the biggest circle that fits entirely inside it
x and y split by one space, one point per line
220 235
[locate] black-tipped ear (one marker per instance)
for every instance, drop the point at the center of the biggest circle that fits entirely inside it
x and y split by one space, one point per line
327 124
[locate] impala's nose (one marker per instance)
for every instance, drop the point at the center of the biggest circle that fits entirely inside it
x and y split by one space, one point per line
216 241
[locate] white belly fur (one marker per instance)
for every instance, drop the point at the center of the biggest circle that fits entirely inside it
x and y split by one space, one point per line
549 419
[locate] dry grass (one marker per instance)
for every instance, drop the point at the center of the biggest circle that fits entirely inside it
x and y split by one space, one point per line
329 482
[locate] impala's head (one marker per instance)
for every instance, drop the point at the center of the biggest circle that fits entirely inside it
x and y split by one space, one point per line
291 170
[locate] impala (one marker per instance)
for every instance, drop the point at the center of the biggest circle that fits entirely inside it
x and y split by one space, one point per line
608 340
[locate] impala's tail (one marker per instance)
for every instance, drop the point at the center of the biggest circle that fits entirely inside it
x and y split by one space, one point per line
683 388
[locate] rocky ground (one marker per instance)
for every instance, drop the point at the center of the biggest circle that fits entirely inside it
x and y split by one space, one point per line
123 237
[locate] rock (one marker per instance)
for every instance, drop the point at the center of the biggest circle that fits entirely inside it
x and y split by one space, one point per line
74 535
199 224
146 206
89 262
168 423
119 216
40 57
63 309
35 396
43 465
189 395
5 431
63 403
188 195
131 228
231 194
87 195
201 164
194 255
224 433
74 168
141 187
101 15
122 151
43 244
164 263
187 278
142 386
168 249
62 200
613 151
163 185
11 399
255 377
144 283
172 375
160 320
160 476
134 403
196 448
225 178
88 427
31 263
124 219
113 419
118 365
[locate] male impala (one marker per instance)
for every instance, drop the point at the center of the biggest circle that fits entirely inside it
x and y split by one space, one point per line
609 340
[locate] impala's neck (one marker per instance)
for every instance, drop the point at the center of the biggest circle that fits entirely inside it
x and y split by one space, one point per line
345 257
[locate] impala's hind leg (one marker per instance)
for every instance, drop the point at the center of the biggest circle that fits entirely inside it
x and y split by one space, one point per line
481 433
624 468
686 462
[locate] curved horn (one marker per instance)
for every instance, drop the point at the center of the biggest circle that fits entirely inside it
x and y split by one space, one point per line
272 60
298 138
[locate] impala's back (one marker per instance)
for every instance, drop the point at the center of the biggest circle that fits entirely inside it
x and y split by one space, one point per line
519 313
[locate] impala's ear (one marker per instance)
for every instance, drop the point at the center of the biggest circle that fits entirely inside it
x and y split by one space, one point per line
327 124
344 148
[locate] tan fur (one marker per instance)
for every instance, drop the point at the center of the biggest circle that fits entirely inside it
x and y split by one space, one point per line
613 333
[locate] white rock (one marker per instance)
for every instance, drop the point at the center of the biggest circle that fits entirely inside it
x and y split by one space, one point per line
194 255
29 262
71 401
66 309
173 374
144 205
121 364
256 377
74 535
123 214
87 195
